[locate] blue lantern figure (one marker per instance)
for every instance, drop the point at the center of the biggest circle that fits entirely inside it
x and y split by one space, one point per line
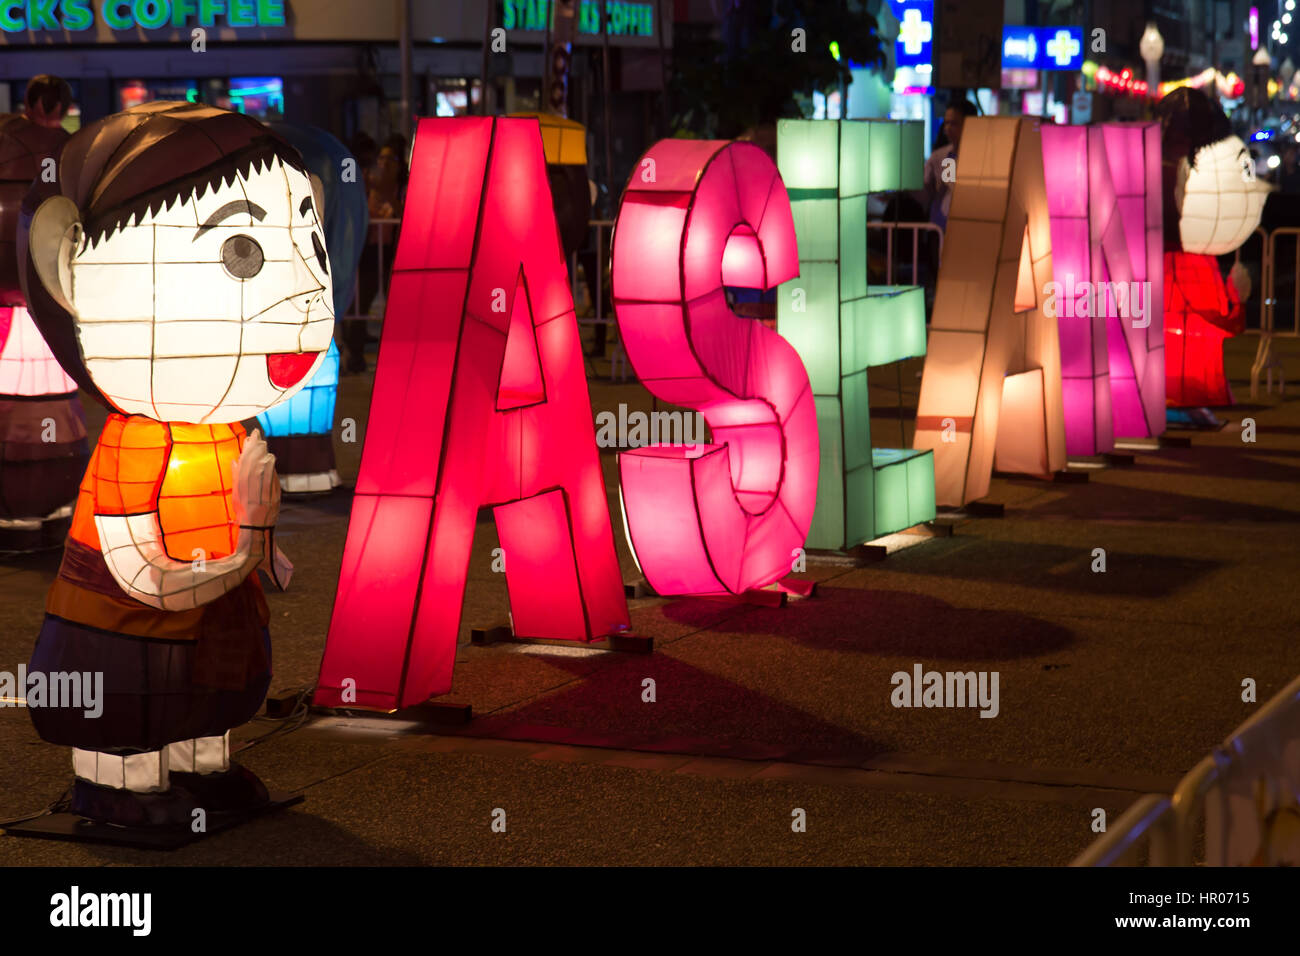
299 432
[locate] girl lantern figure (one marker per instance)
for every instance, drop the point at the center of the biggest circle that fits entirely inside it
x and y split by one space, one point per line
177 269
1212 204
42 425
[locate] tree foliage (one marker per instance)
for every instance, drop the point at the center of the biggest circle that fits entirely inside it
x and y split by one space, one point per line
750 73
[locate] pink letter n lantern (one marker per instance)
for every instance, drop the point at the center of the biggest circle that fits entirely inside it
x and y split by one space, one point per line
728 516
1104 199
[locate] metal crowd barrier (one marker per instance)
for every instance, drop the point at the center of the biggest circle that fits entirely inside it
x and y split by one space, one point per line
1265 361
1216 801
1218 798
915 228
357 311
1147 826
619 366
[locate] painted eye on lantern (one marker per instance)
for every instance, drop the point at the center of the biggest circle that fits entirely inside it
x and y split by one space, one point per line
1248 170
321 258
242 256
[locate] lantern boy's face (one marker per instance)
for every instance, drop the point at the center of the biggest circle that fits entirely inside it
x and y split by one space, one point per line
212 309
1220 200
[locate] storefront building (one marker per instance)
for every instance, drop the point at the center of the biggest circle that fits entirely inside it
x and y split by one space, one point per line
330 63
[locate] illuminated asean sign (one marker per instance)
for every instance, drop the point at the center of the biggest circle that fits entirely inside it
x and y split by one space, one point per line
75 16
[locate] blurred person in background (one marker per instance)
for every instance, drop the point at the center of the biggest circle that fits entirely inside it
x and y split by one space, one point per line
938 187
1288 174
386 179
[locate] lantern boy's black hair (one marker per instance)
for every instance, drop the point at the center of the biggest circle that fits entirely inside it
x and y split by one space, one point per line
1189 121
131 164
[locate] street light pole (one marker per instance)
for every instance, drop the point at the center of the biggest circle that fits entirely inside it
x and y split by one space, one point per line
1152 48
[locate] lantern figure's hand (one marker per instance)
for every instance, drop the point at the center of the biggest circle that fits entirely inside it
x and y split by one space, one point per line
134 552
1239 276
256 488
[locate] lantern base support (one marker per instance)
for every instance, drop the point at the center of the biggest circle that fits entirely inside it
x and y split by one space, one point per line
621 643
1064 476
762 597
70 827
433 713
639 589
1154 444
858 556
797 588
979 508
1107 459
37 534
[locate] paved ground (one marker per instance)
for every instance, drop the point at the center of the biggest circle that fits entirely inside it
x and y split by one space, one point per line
1111 685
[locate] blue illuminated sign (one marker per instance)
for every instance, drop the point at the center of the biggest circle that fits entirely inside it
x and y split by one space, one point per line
915 33
1042 48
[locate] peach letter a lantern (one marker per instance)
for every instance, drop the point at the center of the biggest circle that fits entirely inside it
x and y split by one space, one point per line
480 399
991 388
697 217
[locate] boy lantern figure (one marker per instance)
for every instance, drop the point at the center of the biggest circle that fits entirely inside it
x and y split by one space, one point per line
1212 204
177 270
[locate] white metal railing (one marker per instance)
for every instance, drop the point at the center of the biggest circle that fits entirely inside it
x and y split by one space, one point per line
1265 361
619 366
1218 801
915 228
1218 798
1147 825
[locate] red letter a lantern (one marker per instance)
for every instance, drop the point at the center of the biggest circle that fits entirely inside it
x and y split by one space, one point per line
480 399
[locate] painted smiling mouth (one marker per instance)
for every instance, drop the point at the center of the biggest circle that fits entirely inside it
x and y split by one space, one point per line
287 369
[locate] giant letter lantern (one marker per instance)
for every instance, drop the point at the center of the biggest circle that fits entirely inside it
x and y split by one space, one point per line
842 326
480 399
728 516
1103 192
992 379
